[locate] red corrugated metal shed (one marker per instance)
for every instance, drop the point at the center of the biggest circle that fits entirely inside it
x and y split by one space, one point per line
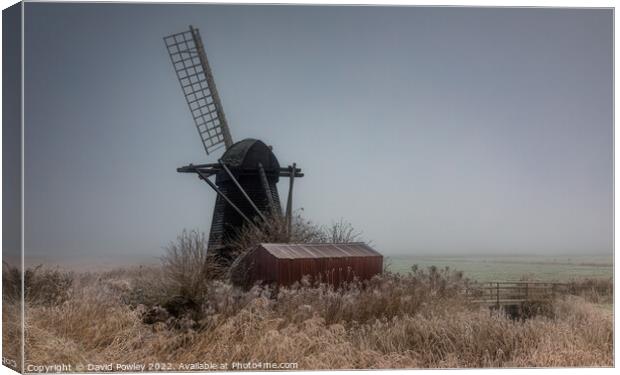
332 263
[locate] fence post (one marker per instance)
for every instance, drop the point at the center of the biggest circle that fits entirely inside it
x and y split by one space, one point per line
498 295
527 294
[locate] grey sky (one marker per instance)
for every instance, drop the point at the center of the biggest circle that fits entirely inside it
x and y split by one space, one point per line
432 130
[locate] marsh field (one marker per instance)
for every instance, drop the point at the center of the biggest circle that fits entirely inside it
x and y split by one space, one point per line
486 268
125 320
183 313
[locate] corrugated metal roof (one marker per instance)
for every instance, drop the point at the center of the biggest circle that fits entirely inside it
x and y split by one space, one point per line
320 250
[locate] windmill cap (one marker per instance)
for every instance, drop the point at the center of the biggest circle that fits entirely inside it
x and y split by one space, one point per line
248 153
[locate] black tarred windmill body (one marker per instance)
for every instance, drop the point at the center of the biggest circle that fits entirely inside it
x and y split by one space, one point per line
247 173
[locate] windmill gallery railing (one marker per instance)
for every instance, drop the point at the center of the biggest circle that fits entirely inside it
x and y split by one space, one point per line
514 293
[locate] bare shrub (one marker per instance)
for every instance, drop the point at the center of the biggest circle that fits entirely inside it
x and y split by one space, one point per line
341 232
45 286
185 264
11 283
597 290
11 316
148 286
531 309
185 270
274 230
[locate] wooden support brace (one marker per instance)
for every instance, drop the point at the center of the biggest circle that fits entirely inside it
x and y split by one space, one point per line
219 192
247 197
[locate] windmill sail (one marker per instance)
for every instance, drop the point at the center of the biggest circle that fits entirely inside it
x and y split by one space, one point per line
189 59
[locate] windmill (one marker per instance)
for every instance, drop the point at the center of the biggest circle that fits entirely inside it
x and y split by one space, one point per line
247 173
246 177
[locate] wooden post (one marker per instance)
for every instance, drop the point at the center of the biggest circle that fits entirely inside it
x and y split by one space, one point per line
527 294
289 201
497 295
265 182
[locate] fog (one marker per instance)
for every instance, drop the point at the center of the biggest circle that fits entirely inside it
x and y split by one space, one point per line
431 130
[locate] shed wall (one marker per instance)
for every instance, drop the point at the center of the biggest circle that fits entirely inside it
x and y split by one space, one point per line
333 270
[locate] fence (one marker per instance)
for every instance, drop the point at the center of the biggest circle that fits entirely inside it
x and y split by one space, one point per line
512 293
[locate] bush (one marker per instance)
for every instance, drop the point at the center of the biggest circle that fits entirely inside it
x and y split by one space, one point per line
148 286
273 230
186 266
593 290
340 232
47 286
42 286
11 283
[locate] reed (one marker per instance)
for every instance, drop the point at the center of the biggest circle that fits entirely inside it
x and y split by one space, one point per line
419 320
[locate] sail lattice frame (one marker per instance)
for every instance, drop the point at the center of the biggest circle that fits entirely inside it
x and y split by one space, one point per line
194 74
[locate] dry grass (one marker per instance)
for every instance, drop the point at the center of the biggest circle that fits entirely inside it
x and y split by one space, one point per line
594 290
414 321
11 333
11 316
